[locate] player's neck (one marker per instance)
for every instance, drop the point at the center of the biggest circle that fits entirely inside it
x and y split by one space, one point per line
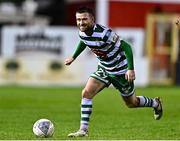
89 32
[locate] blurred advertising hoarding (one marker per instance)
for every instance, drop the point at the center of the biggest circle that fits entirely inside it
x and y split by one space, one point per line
35 56
40 54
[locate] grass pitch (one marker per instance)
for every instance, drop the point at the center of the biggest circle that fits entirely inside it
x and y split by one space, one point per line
20 107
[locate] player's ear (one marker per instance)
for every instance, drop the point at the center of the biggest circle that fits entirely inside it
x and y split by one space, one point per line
93 19
177 23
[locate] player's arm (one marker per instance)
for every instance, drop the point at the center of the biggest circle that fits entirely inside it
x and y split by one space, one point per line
81 46
130 74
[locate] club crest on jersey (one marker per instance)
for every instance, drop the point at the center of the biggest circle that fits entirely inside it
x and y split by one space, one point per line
115 38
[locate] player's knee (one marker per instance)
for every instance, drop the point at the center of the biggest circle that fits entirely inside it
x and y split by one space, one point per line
88 93
85 93
132 104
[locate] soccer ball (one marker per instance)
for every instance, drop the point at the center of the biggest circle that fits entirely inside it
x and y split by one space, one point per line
43 128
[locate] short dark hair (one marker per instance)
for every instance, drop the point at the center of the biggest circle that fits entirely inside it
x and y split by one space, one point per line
85 9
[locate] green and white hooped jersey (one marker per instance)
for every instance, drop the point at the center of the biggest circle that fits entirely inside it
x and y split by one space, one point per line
106 46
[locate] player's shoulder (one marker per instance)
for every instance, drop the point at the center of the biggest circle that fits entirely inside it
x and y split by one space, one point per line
100 27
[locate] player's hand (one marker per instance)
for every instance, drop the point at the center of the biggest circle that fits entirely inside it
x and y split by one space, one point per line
68 61
130 75
178 23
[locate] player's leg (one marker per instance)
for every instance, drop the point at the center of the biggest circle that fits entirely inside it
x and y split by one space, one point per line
133 101
92 87
95 84
143 101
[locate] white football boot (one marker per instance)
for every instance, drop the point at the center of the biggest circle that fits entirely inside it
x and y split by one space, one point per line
79 133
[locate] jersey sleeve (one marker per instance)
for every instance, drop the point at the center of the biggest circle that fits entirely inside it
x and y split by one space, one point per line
129 54
80 47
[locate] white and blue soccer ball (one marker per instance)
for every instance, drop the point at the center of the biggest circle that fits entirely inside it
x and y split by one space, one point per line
43 128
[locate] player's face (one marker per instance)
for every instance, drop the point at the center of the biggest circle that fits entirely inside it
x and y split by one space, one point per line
85 21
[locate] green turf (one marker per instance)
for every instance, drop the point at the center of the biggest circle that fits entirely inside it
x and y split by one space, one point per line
20 107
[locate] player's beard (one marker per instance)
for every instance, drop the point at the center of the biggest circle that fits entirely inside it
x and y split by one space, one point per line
86 28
